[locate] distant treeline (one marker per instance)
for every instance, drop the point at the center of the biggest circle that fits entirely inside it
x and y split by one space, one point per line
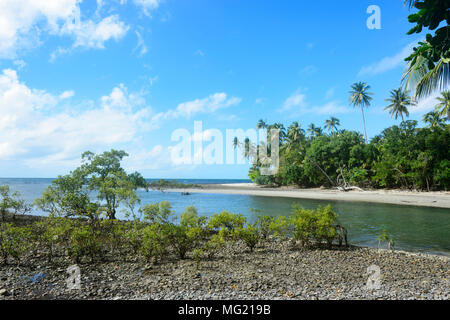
403 156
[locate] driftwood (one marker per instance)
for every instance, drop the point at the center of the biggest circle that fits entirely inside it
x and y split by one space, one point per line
345 188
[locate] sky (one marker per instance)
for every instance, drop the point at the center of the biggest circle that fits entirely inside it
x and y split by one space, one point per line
129 74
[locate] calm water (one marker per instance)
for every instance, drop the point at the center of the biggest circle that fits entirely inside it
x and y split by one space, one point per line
413 228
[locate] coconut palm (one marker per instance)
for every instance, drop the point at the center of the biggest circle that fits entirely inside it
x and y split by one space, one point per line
360 97
295 132
443 108
433 119
332 124
400 101
261 124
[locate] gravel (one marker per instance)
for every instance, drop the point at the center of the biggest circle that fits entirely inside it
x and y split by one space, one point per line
276 270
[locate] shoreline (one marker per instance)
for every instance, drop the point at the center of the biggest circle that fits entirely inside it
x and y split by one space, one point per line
435 199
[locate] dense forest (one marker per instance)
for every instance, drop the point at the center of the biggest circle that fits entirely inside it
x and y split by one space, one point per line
402 156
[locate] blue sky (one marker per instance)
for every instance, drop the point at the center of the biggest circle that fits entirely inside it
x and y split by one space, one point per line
95 75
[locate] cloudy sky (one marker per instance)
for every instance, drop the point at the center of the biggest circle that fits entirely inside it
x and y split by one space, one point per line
125 74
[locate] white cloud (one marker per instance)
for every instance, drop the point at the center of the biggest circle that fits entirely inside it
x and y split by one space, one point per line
48 138
297 104
94 35
426 104
22 21
20 64
387 63
147 5
296 100
141 46
209 104
67 94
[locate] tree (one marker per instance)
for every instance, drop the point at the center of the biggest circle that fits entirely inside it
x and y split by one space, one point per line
360 97
68 196
261 124
11 202
332 124
434 119
399 103
110 181
428 66
99 175
443 108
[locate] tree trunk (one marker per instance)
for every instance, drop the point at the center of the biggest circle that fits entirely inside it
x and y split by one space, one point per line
364 123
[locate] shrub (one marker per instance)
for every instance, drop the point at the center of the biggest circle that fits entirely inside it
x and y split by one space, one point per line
52 233
133 236
264 225
385 237
215 244
304 225
319 225
154 242
157 212
279 227
227 221
250 235
13 241
183 238
112 235
84 243
11 203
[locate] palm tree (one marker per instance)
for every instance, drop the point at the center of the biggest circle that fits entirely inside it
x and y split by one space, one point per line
360 97
295 132
443 108
400 100
261 124
433 119
311 129
332 124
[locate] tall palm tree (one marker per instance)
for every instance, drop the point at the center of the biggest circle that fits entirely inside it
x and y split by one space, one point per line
400 101
332 124
311 129
443 108
433 119
360 97
261 124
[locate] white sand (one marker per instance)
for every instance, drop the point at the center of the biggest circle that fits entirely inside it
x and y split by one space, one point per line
425 199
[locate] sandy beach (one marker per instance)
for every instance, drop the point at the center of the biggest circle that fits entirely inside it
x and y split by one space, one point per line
437 199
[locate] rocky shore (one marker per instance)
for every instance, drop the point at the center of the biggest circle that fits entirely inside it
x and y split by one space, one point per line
276 271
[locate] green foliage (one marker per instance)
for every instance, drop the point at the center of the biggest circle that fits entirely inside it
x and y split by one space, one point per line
227 221
52 234
157 212
385 237
11 203
84 242
13 241
250 235
155 242
402 156
101 175
215 244
318 225
162 184
429 63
